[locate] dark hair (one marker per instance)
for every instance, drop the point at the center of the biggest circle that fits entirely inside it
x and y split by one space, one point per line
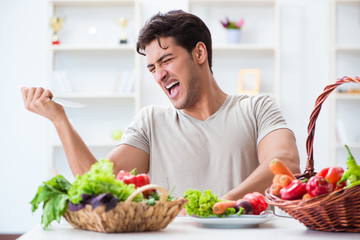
187 30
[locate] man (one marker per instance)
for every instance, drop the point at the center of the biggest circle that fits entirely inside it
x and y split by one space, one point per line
208 140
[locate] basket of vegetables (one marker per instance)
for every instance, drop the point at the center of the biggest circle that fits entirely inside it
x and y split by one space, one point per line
102 202
328 200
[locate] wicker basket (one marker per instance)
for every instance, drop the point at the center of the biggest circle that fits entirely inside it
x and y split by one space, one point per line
338 211
128 216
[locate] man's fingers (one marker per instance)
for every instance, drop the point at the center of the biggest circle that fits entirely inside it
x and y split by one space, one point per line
29 97
38 93
46 95
24 92
35 98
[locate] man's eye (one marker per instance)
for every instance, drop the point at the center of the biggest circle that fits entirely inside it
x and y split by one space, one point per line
152 70
167 60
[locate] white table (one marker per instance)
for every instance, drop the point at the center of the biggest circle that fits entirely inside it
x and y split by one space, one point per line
184 228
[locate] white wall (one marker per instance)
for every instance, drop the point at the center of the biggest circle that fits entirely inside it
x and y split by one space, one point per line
304 64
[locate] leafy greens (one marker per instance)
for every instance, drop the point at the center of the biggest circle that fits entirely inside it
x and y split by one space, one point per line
201 204
54 195
99 181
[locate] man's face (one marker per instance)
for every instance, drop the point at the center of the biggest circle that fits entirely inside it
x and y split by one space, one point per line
174 70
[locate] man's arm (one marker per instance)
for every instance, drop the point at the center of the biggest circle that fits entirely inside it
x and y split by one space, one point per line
280 144
80 158
38 100
126 157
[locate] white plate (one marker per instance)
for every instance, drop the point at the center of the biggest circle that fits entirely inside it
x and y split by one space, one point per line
234 221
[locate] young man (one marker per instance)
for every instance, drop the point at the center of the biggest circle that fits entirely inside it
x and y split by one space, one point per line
208 140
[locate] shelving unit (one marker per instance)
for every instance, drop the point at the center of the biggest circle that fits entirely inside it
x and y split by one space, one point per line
90 66
92 58
344 61
259 46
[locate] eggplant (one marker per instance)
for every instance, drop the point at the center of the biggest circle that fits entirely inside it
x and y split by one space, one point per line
108 199
246 205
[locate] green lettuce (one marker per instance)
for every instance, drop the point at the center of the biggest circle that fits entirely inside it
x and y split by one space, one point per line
101 179
201 204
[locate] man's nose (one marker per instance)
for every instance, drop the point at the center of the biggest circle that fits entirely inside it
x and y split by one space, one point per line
161 75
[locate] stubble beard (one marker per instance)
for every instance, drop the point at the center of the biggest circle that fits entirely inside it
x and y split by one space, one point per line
191 91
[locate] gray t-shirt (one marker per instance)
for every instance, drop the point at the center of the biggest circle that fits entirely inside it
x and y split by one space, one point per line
216 154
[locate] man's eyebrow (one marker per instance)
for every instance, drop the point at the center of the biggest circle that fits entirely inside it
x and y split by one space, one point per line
159 60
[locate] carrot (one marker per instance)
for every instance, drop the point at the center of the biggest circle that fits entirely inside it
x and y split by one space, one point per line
306 196
285 180
275 189
220 207
278 167
277 178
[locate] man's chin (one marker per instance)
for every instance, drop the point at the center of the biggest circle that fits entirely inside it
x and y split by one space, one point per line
177 105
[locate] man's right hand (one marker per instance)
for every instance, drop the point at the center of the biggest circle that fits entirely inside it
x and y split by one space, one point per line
38 100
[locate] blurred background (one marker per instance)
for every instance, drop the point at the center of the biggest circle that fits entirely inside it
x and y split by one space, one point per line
297 47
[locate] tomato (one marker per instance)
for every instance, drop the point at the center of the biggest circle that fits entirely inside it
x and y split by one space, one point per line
257 201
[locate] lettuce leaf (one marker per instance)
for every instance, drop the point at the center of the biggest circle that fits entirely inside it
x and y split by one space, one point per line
201 204
53 194
98 180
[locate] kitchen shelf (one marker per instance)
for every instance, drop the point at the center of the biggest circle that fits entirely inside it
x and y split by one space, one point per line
351 145
89 66
344 61
97 96
258 49
76 48
90 2
244 47
91 144
347 96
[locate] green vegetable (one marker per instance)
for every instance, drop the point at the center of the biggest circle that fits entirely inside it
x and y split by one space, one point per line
352 174
201 204
101 179
57 192
53 194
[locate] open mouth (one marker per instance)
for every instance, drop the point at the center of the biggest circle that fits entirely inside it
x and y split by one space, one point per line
173 88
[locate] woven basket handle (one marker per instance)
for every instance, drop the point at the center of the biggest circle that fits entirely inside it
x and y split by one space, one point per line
163 192
309 171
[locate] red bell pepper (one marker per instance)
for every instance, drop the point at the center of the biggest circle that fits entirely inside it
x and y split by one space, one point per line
333 175
295 190
318 185
138 180
257 201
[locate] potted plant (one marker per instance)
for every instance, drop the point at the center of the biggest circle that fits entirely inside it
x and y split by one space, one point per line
233 29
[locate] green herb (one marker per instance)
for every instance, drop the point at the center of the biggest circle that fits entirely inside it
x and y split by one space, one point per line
101 179
154 196
53 194
241 211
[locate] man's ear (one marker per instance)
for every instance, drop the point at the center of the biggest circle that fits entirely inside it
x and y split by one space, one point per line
200 53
